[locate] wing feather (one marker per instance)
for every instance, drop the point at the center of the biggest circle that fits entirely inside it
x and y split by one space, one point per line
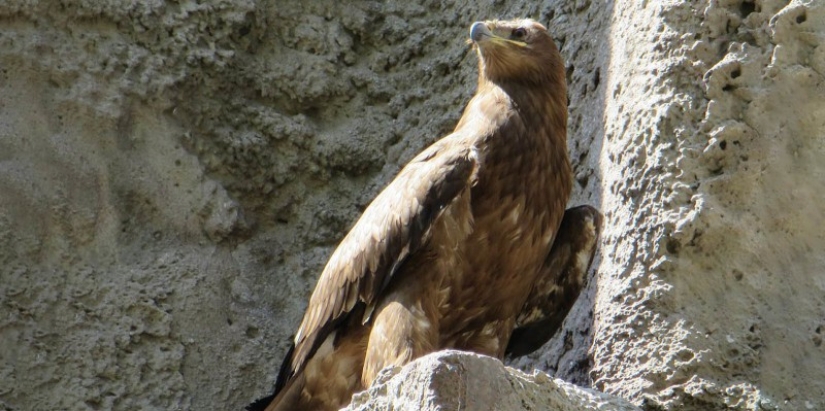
561 279
393 226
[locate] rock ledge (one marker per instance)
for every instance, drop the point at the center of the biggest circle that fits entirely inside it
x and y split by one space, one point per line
456 380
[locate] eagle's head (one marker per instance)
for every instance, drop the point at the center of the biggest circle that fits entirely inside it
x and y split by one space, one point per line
516 51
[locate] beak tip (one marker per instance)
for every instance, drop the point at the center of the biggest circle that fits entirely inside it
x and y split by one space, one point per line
478 30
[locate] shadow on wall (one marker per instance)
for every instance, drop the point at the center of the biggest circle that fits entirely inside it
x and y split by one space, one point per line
582 31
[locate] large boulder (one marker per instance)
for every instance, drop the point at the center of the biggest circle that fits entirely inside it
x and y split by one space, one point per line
456 380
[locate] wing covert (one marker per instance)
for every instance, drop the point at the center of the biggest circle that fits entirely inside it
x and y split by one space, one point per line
394 225
561 279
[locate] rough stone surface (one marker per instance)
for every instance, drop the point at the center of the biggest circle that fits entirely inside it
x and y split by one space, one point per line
455 380
712 277
173 175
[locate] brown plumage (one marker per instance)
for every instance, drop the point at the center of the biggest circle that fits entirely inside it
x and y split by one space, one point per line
447 254
559 282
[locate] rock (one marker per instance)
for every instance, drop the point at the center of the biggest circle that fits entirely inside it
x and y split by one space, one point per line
457 380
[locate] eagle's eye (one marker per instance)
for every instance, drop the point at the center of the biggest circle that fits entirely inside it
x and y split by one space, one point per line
519 33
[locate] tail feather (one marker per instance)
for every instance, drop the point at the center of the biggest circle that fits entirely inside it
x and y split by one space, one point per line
289 397
285 373
260 404
282 385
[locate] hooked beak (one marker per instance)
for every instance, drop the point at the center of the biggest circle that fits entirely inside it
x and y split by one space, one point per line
479 32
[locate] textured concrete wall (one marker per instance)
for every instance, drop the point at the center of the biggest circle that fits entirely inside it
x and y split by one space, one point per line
712 284
174 175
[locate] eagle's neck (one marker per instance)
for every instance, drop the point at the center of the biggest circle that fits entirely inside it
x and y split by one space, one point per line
541 109
523 123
